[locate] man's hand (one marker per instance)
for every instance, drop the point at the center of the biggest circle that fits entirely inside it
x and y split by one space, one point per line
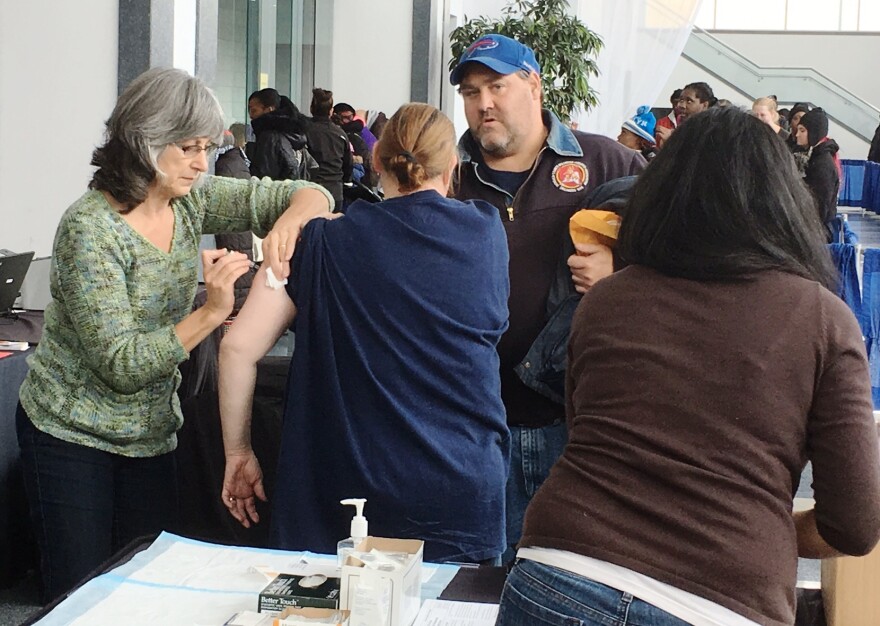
591 263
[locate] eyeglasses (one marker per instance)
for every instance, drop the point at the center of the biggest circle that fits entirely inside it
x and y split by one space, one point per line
194 150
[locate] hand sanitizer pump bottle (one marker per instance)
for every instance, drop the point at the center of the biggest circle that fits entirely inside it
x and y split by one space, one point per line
358 530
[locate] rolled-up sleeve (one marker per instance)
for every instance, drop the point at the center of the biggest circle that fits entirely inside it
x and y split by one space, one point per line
231 205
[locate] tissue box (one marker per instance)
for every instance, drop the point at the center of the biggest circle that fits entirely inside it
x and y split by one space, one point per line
406 582
286 591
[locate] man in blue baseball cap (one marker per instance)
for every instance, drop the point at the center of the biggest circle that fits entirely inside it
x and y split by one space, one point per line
538 172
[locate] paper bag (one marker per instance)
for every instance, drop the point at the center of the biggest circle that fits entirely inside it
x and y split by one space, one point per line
594 226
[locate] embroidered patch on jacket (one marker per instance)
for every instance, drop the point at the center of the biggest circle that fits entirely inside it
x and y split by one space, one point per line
570 176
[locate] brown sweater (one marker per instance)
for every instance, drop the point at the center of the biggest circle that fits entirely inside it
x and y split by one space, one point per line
692 409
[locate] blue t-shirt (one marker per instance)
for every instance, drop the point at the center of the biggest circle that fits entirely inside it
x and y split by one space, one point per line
394 389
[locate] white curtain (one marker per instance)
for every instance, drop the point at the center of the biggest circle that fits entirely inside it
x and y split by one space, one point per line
643 42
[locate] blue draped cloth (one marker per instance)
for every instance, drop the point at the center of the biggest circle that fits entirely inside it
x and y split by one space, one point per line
871 317
871 187
846 259
852 182
394 390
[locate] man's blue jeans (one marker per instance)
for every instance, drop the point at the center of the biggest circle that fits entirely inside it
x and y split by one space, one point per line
86 504
533 451
536 594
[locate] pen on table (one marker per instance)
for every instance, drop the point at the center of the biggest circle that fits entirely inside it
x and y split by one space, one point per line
252 264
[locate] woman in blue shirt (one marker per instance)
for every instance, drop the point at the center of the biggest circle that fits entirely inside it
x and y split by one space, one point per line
394 391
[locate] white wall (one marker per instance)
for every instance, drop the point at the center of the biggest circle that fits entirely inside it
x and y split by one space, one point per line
848 59
58 73
371 63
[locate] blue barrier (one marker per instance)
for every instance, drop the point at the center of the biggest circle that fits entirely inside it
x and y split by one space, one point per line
871 187
852 182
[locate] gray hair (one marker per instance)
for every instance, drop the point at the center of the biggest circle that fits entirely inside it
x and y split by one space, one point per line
158 108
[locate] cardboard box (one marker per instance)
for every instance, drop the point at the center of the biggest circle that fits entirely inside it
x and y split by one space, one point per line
286 591
849 590
405 583
290 615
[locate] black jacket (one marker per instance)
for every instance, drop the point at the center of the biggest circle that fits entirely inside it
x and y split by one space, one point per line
353 130
232 164
329 145
823 178
569 167
874 152
543 368
277 153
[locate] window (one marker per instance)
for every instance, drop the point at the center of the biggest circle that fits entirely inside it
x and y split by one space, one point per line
795 15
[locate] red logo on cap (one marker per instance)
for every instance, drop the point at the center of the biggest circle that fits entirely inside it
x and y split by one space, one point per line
570 176
482 44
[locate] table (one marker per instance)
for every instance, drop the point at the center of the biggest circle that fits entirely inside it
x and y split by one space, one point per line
16 542
175 580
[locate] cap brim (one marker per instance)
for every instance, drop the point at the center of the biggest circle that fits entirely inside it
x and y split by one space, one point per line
493 64
638 132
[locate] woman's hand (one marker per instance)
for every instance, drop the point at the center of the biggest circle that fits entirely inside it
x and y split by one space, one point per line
278 246
221 270
242 482
662 133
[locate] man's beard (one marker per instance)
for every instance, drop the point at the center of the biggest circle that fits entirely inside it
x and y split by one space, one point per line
496 146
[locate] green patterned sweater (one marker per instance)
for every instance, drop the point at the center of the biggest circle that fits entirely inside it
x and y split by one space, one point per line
104 374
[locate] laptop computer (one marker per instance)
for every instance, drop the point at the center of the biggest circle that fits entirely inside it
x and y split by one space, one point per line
13 269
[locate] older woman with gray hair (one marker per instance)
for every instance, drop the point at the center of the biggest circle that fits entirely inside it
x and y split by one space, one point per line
98 411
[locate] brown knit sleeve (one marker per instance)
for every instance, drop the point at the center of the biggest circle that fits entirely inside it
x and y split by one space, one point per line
842 437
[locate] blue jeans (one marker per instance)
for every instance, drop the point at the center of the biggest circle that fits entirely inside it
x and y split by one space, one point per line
533 451
537 594
86 504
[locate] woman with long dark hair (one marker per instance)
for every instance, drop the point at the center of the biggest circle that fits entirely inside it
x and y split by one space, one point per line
701 379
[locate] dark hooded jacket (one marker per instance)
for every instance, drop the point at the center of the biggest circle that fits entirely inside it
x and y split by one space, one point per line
823 179
822 174
279 149
874 152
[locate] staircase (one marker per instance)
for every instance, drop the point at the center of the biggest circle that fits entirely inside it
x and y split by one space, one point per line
790 84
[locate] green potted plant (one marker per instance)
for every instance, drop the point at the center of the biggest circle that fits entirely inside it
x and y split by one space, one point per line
564 46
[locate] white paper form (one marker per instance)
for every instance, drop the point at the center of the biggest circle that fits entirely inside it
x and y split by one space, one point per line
446 613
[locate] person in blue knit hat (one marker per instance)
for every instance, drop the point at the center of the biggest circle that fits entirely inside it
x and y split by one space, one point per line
637 133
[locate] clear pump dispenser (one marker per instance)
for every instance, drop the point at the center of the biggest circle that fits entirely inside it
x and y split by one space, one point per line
359 528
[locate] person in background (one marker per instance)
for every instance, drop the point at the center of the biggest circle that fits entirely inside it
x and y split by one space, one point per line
230 159
98 411
537 173
637 133
672 503
394 392
765 110
346 114
822 171
280 149
695 98
343 116
665 125
874 151
232 162
329 146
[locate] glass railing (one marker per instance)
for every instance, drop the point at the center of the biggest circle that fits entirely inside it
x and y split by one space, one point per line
789 84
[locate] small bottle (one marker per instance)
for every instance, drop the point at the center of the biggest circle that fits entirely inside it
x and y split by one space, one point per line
358 530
